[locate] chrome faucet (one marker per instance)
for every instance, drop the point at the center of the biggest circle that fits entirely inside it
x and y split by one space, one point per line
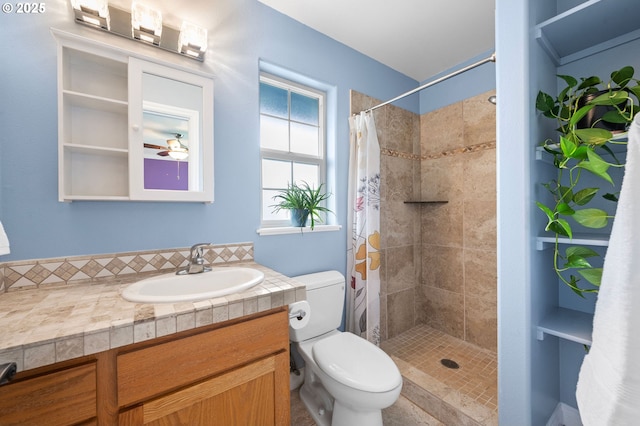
196 261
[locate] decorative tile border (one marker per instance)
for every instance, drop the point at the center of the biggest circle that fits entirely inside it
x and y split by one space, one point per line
36 273
399 154
456 151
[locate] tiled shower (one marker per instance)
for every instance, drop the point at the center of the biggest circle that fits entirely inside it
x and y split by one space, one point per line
439 259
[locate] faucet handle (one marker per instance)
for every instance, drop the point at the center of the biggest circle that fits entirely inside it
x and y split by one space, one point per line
197 249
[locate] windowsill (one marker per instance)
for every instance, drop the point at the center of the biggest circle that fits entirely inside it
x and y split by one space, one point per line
281 230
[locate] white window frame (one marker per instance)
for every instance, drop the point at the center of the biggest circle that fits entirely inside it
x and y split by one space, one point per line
271 154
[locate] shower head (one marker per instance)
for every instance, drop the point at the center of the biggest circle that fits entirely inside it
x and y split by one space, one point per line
492 99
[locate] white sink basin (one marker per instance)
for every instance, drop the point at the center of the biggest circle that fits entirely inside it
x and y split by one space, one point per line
172 288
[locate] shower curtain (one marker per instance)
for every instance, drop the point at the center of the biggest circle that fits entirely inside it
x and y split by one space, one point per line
363 245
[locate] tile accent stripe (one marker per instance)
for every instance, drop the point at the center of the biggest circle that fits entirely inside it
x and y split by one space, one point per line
36 273
462 150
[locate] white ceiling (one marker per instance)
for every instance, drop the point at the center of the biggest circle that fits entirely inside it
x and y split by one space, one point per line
419 38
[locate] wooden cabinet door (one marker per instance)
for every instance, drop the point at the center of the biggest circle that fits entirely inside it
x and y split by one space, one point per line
244 396
61 397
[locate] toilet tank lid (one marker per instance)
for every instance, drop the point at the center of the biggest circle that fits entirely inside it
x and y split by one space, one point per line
320 279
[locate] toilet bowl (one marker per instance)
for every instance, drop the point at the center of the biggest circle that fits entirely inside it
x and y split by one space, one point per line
347 380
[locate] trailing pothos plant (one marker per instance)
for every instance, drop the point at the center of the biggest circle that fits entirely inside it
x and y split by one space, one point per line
588 113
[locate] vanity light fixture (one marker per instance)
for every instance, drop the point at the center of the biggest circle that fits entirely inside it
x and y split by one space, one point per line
146 23
92 12
142 23
192 40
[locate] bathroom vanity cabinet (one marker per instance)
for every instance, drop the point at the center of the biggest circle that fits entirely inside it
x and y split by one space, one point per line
117 110
233 373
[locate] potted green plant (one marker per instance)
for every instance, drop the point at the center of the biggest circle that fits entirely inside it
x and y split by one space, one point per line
303 201
588 113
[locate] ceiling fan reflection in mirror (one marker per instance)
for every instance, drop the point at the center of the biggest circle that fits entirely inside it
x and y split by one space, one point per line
174 149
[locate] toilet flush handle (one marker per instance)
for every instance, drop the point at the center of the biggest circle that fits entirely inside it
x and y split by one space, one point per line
297 315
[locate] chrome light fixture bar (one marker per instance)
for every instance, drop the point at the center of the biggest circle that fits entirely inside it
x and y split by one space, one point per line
142 24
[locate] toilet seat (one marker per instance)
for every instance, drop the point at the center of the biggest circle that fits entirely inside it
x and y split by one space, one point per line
356 363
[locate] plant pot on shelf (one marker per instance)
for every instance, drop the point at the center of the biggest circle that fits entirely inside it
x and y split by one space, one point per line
597 117
299 217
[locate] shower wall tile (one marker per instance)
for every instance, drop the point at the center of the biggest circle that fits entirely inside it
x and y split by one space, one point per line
481 322
399 127
442 224
400 311
442 267
479 119
384 335
444 310
399 223
442 130
361 102
383 272
479 171
480 224
443 179
480 274
400 270
398 178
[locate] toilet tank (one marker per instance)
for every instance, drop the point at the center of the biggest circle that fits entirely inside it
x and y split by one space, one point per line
325 294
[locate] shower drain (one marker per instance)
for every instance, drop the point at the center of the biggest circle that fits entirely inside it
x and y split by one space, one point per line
449 363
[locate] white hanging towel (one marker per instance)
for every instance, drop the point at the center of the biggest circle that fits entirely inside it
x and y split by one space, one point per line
608 391
4 241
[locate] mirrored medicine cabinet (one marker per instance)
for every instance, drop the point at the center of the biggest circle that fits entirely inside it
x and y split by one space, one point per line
130 127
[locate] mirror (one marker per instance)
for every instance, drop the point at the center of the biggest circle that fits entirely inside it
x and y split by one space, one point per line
171 115
171 160
172 147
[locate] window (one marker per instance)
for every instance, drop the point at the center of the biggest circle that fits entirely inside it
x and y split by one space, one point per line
292 141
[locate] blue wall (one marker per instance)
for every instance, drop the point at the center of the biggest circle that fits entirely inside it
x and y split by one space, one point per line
466 85
242 33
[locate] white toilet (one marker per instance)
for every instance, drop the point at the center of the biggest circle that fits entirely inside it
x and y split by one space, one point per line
347 380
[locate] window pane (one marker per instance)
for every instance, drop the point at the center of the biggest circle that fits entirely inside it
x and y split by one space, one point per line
267 209
306 172
276 174
304 139
274 101
304 108
274 133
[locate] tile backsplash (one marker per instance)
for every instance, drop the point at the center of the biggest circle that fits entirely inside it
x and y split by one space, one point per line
36 273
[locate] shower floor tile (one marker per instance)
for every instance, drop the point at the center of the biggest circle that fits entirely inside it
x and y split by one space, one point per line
473 385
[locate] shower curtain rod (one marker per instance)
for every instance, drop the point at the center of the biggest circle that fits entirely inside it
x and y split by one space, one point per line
491 58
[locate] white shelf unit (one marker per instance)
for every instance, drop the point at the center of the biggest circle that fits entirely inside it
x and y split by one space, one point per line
567 324
545 241
93 130
588 28
618 146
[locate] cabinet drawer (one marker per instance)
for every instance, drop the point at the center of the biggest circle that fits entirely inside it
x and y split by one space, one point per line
58 398
154 370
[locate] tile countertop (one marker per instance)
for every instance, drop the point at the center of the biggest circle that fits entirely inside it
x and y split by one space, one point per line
43 326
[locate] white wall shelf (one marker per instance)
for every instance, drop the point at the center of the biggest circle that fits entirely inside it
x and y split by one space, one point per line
89 149
544 241
618 146
567 324
589 28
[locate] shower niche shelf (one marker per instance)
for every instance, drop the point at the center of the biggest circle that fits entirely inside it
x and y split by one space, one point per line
591 27
567 324
425 202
